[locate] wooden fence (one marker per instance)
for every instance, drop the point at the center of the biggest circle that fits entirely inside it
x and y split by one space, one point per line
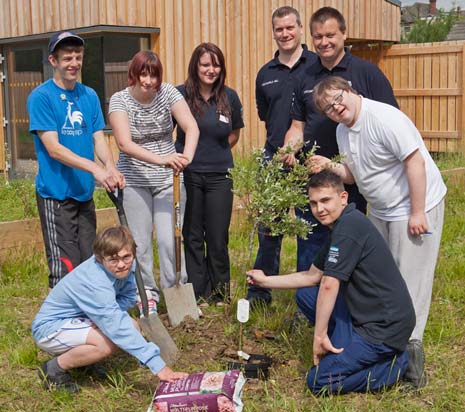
429 83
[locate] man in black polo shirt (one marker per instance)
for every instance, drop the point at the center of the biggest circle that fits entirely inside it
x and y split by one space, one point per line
362 310
274 89
328 31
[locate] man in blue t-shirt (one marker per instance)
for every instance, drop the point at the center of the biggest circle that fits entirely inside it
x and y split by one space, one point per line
355 296
67 123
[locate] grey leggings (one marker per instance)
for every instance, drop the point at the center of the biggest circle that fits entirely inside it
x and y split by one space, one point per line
145 208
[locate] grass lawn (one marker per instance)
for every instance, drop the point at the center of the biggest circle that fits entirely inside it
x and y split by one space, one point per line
18 199
207 344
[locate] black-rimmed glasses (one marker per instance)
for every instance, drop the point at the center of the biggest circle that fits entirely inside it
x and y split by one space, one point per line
337 100
114 260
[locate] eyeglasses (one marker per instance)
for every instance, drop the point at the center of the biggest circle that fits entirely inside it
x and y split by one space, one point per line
337 100
114 260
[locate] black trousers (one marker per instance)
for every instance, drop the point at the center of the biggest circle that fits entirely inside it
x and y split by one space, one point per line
68 228
205 230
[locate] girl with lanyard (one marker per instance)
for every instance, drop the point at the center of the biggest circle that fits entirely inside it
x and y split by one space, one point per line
218 112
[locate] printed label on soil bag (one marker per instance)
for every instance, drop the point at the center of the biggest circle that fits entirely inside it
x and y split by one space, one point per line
201 392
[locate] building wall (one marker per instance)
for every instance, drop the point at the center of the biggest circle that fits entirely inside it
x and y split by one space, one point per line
241 28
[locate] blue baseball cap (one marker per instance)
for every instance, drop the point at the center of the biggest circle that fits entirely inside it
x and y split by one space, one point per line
60 36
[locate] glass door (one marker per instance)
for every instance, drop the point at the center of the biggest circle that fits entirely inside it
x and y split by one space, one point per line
26 69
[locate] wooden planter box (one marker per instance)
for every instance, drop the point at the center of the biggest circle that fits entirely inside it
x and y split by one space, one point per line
27 233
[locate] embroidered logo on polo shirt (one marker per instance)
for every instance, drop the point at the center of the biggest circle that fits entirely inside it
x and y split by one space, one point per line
270 82
333 254
224 119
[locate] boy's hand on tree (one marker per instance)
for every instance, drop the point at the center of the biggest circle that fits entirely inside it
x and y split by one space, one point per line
317 163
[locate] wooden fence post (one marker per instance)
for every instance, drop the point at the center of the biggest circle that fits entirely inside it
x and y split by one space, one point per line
381 54
461 123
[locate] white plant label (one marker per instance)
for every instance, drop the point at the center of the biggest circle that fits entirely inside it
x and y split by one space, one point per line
243 355
242 310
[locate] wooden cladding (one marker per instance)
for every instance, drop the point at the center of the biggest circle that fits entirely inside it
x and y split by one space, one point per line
27 17
192 20
243 30
428 81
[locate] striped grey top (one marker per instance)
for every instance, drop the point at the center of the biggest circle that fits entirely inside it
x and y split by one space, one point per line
151 127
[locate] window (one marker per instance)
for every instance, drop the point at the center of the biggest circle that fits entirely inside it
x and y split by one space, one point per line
106 62
28 61
25 72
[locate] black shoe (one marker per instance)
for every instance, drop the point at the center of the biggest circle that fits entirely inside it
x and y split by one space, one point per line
415 373
96 370
60 380
259 301
298 321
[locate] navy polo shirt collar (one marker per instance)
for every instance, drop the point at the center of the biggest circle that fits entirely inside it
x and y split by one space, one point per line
303 57
343 64
348 209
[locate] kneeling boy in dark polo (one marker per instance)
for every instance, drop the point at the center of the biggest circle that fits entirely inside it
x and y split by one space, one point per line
355 296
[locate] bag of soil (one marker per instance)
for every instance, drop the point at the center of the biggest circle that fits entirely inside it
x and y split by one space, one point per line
201 392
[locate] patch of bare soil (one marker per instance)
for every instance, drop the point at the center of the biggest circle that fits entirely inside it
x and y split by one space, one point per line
205 341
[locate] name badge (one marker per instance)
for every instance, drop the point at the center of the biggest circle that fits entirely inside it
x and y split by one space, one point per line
223 118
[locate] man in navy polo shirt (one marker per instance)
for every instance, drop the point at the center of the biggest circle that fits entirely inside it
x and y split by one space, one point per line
309 127
274 89
355 296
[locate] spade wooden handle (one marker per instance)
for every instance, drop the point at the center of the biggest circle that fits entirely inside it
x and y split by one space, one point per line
177 223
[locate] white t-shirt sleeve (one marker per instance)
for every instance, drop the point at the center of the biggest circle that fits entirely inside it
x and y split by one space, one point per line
342 140
401 137
172 94
117 103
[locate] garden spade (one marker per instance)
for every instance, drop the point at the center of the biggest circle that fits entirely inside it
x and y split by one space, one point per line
151 325
180 298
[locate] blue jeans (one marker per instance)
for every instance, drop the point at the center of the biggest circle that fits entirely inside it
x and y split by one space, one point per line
362 366
308 248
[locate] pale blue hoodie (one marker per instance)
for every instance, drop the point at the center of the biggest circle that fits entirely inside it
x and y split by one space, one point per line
91 291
